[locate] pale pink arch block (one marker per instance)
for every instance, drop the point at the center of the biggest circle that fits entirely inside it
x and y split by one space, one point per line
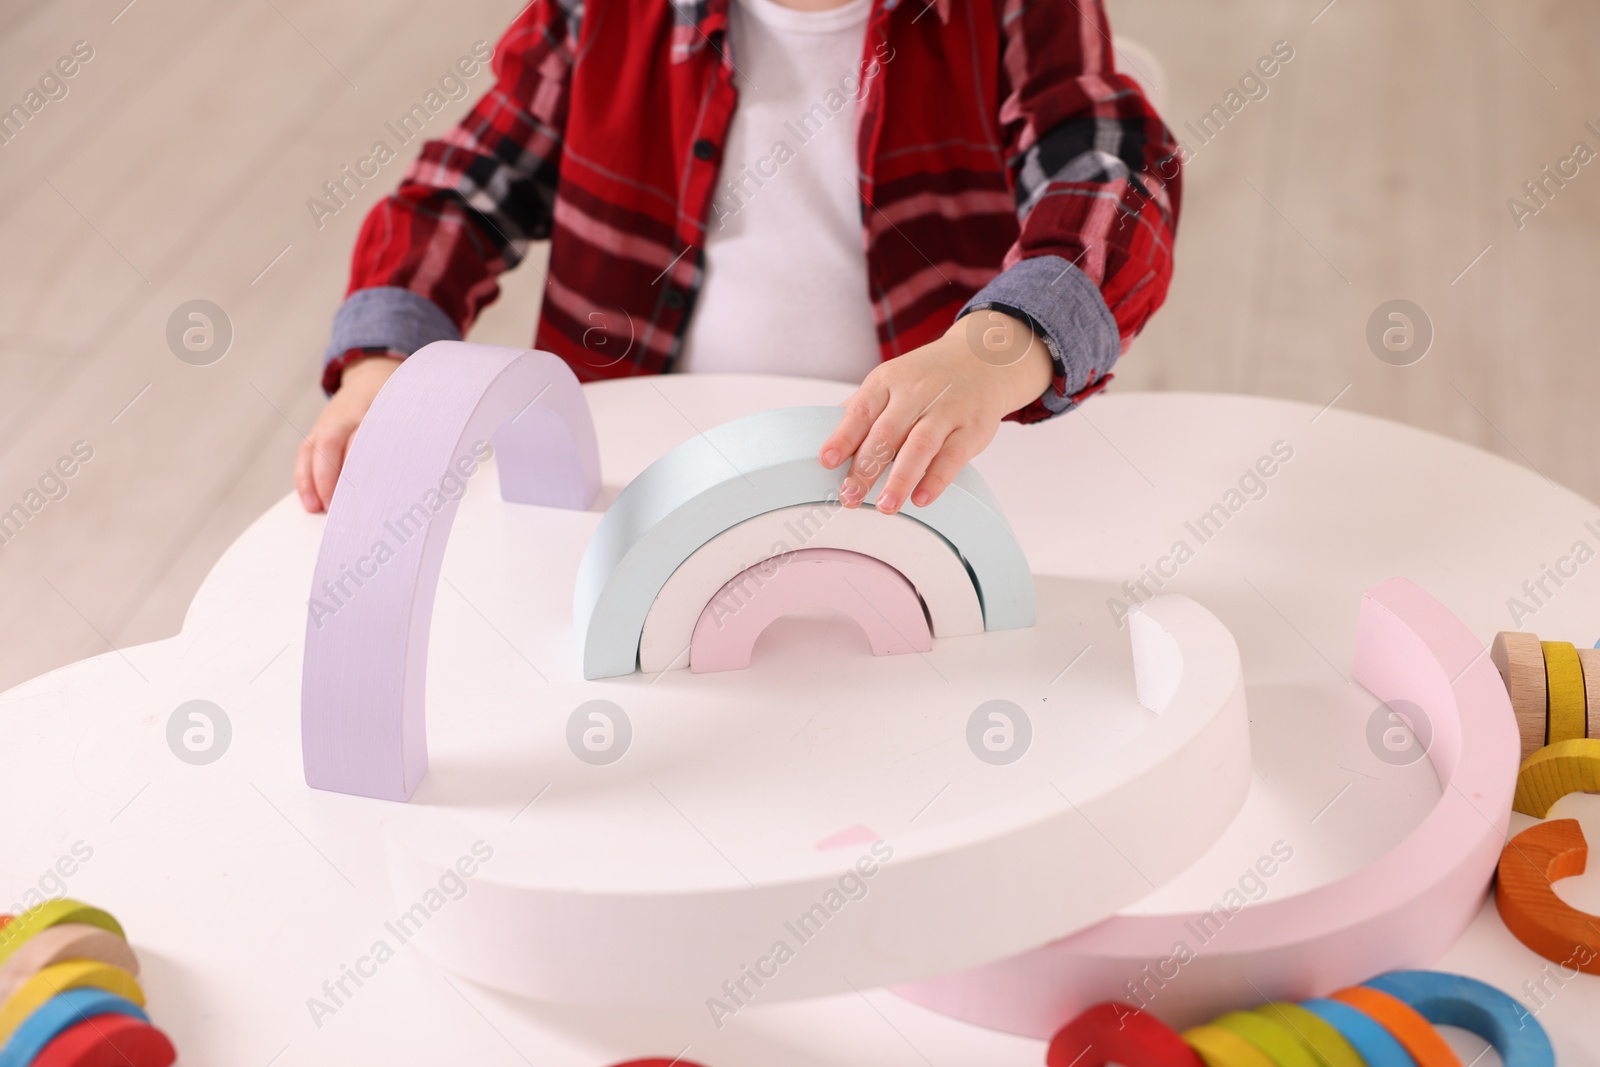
362 719
1401 911
870 592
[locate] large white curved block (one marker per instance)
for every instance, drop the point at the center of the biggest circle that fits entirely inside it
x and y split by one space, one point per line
1043 846
927 560
735 472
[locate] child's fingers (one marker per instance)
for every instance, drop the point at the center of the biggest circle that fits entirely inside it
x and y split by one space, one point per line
877 450
327 457
304 485
922 444
861 410
955 454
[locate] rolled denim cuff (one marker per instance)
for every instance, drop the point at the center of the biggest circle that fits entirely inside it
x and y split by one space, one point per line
1065 310
388 317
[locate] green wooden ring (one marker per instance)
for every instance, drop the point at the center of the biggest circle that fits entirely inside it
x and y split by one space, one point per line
1327 1045
1277 1041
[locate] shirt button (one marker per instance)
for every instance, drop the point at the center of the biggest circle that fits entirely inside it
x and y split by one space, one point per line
675 299
704 149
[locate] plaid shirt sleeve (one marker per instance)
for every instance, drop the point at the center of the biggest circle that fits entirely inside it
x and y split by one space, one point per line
428 254
1098 189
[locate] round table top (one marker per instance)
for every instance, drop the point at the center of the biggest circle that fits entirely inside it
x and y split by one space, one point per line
251 897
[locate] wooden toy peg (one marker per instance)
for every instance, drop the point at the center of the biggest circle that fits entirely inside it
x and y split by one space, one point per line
1520 661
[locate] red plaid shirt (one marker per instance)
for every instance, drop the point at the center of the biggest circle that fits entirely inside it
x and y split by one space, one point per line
1003 163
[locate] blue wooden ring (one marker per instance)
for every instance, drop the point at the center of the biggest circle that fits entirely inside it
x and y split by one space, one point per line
1370 1040
1456 1000
59 1014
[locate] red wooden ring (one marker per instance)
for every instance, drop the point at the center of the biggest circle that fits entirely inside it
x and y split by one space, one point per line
1112 1032
108 1041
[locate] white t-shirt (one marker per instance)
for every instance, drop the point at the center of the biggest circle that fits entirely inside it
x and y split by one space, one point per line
785 290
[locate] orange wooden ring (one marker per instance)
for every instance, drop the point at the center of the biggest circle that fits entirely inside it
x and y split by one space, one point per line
1415 1034
1520 660
1528 903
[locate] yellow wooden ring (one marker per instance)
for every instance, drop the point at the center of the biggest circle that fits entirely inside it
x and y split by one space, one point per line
1328 1046
1568 717
1270 1036
1589 659
56 979
1224 1048
1520 660
1554 771
53 913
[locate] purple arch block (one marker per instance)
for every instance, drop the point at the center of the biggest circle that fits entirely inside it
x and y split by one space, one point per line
362 721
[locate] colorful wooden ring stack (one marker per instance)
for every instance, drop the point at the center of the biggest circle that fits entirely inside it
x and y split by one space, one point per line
1555 695
1388 1021
1554 688
70 994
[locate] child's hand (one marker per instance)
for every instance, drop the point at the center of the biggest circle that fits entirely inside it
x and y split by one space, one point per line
321 456
932 410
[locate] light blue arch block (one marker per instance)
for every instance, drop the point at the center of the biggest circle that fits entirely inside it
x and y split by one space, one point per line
735 472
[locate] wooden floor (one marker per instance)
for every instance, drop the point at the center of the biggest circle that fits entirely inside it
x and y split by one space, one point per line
179 162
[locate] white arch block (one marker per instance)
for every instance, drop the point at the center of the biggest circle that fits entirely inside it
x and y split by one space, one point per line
366 655
1403 910
735 472
1017 871
927 560
1157 661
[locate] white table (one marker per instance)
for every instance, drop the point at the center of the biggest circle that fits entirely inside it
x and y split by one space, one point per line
244 891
